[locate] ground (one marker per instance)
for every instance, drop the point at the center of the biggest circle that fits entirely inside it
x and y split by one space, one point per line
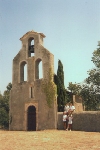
49 140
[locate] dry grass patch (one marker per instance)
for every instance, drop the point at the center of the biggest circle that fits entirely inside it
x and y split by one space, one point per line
49 140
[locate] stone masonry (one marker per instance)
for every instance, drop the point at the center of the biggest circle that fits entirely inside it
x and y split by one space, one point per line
28 106
77 102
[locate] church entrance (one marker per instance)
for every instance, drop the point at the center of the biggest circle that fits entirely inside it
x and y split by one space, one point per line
31 118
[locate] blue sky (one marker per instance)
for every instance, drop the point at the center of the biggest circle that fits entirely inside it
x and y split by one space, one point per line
72 30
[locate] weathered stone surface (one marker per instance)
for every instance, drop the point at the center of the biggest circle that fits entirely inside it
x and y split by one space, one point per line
83 121
29 93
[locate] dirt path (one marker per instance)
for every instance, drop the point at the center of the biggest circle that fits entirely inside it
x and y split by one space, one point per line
49 140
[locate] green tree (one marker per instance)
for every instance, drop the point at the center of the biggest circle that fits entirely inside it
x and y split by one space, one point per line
69 96
61 91
7 92
74 88
4 107
96 57
94 74
90 92
90 99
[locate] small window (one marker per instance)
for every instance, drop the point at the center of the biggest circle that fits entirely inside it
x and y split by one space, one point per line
30 92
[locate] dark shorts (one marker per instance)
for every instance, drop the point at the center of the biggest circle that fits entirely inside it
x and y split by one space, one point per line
67 113
67 120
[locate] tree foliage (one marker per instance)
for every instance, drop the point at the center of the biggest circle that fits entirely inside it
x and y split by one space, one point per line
96 57
49 88
90 91
94 74
74 88
61 91
90 99
4 107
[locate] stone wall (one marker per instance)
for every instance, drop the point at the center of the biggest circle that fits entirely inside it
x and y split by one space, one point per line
26 94
77 102
84 121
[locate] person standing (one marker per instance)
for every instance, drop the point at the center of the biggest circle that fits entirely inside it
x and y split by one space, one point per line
71 108
66 108
70 118
64 120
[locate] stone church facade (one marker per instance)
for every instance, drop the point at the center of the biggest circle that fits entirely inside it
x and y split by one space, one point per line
28 107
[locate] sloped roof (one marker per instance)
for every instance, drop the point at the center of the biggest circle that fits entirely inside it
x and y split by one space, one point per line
32 32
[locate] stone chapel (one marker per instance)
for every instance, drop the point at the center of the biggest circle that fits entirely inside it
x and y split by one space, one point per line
28 107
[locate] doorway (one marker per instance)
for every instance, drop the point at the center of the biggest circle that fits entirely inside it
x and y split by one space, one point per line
31 118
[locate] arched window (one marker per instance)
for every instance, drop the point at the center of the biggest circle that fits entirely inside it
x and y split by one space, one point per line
38 69
23 71
31 47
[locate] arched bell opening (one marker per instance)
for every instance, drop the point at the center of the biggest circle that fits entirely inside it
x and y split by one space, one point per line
31 47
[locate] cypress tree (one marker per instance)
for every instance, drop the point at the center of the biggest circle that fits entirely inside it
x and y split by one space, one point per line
61 92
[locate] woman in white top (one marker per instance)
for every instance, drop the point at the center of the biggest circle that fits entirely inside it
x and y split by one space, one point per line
66 108
71 108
